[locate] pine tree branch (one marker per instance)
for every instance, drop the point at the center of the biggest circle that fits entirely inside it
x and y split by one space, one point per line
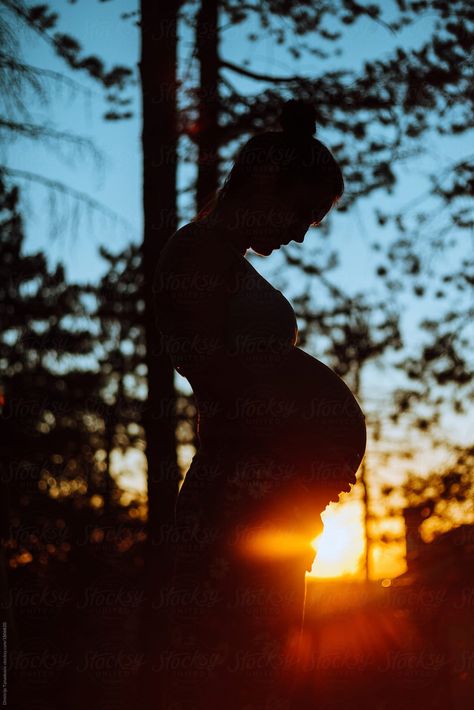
66 46
58 186
260 77
35 130
38 72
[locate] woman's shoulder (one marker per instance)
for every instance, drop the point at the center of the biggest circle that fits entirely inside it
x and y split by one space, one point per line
175 245
196 247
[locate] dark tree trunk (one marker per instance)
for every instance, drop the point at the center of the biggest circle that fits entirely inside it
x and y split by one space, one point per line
208 136
159 139
110 422
363 478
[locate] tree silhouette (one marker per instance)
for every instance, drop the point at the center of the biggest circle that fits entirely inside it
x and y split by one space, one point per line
44 438
443 498
43 382
21 81
120 313
377 113
159 140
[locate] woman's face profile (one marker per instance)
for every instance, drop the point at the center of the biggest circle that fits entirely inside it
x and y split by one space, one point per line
285 218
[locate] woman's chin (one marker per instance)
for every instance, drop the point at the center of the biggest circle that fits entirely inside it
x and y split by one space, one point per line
320 497
264 249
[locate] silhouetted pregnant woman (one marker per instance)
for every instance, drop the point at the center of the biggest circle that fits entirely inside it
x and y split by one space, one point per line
280 433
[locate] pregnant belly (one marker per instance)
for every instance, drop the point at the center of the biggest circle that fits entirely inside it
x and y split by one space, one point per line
322 409
315 435
309 420
301 417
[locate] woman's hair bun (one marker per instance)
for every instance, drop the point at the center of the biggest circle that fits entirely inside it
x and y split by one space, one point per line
298 118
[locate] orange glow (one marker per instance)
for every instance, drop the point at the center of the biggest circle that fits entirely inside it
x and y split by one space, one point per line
272 542
340 546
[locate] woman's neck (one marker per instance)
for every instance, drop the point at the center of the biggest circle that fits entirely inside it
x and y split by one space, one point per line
226 222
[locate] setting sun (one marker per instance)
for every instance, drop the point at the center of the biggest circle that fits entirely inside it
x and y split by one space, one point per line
341 544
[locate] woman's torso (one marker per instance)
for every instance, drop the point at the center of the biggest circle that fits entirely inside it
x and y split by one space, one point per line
257 329
288 406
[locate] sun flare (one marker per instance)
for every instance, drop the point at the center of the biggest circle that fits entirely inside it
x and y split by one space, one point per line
341 544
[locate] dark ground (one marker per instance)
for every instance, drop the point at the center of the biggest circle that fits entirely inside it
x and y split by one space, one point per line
74 635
